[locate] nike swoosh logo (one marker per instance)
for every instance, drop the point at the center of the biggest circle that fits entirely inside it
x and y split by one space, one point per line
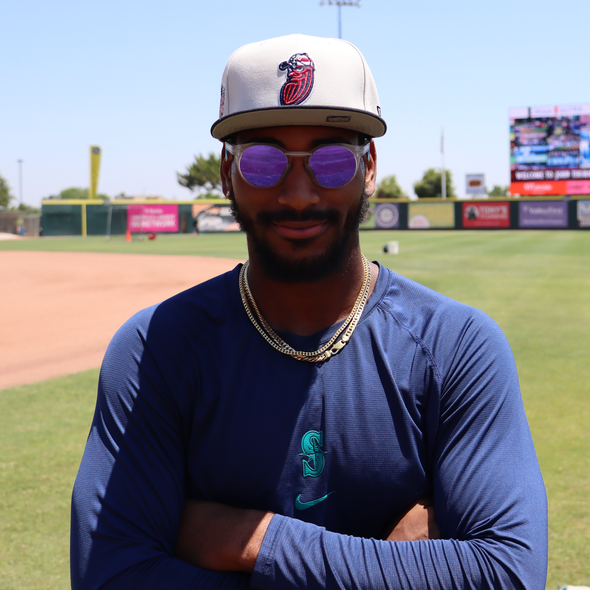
305 505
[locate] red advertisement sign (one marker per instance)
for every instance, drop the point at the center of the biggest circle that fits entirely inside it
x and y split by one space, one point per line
550 187
538 188
481 215
152 218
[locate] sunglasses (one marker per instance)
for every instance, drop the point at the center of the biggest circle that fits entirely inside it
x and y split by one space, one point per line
329 166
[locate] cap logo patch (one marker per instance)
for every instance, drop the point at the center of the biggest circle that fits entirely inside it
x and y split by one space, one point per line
300 77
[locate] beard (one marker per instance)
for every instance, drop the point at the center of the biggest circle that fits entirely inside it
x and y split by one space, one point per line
312 268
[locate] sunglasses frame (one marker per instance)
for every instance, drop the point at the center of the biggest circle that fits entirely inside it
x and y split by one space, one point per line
358 151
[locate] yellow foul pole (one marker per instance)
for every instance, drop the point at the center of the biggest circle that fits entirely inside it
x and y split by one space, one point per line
95 153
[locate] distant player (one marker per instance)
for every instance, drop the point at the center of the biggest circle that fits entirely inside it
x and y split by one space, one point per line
309 419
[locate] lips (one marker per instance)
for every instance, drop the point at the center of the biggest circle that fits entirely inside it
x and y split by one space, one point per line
300 230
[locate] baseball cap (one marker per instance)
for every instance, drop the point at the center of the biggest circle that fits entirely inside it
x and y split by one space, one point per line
298 80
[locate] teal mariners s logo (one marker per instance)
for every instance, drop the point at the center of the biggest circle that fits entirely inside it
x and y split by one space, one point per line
314 462
311 445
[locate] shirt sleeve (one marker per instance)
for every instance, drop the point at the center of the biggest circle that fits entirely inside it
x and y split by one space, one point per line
489 496
129 493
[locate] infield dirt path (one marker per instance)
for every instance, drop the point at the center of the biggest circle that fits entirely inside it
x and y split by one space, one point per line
60 309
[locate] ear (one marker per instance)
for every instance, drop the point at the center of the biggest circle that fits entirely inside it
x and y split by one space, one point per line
370 169
225 172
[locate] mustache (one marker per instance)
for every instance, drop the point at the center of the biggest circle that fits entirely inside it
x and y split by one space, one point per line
267 217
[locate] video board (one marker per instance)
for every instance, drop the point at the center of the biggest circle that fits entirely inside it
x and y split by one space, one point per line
550 150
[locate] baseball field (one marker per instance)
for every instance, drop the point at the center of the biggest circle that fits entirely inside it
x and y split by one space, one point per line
62 299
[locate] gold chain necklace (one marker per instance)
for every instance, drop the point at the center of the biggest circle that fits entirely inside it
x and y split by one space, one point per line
331 347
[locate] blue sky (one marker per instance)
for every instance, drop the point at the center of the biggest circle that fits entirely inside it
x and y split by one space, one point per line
141 79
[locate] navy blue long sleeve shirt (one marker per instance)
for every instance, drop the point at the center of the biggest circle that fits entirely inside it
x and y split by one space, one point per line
192 402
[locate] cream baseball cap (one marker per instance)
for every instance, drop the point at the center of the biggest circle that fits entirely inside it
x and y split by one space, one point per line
298 80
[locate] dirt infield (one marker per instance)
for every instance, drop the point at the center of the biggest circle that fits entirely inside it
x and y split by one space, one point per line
59 310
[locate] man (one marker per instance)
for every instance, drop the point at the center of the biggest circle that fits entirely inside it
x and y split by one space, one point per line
271 428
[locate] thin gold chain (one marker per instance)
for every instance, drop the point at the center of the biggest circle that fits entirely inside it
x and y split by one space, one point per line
331 347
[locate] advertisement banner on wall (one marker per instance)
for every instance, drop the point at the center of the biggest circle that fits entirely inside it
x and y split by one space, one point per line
431 215
486 215
542 214
152 218
583 213
386 215
550 150
214 218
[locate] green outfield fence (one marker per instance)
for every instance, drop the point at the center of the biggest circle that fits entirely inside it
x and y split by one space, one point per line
96 217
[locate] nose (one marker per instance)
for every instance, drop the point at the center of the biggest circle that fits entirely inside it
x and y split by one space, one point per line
298 191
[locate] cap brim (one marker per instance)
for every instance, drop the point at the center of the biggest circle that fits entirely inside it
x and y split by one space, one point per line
356 120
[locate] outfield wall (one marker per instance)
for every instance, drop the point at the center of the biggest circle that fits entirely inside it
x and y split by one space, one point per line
99 218
81 218
488 214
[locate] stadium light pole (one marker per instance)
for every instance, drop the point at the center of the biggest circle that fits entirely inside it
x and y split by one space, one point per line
444 172
340 4
20 180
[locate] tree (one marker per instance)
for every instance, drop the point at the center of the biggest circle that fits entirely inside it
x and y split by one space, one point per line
430 187
79 193
5 194
74 193
28 209
388 188
498 191
203 173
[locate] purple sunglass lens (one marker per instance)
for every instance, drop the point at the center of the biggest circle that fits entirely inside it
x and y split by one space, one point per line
333 165
263 165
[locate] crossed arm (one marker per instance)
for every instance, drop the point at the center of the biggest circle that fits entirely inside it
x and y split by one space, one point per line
130 494
223 538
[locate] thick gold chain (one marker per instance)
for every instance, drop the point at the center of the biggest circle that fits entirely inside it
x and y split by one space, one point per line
331 347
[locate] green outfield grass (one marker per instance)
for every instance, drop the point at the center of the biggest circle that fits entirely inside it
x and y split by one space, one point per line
43 429
535 284
228 245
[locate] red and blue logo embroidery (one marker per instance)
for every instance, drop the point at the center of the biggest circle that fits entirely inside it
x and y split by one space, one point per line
300 76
